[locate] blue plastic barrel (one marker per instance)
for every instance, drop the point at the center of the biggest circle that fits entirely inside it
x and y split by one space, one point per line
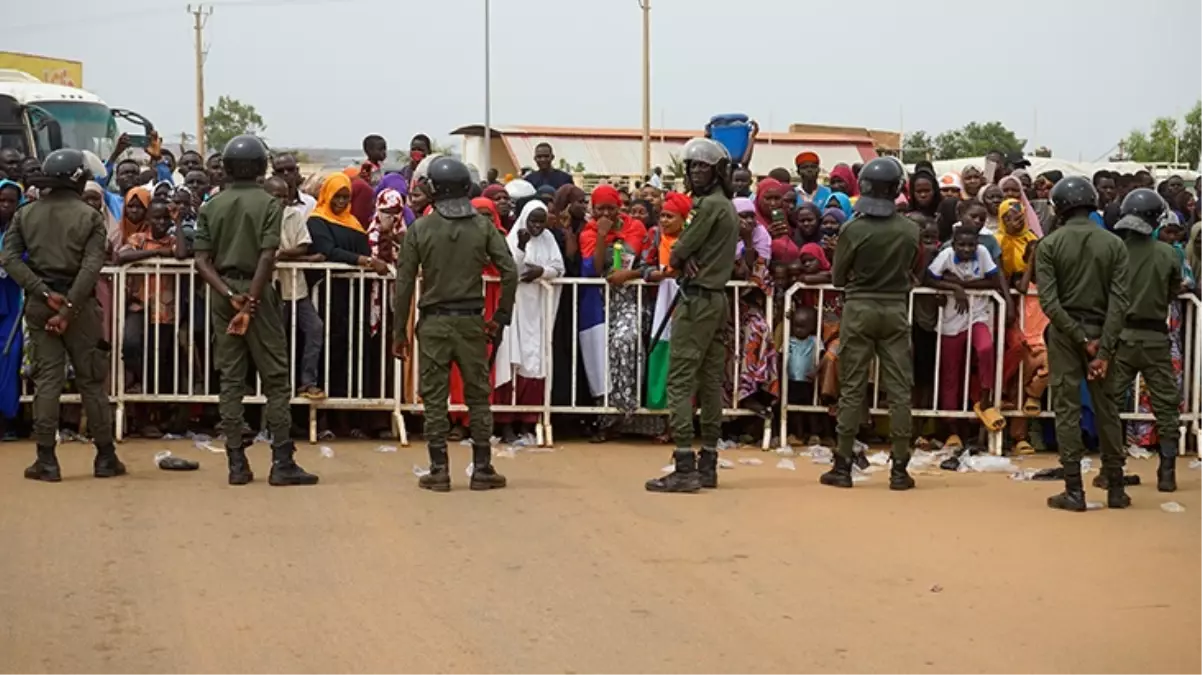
733 131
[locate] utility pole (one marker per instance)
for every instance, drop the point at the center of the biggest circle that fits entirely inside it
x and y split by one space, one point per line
200 17
487 93
646 7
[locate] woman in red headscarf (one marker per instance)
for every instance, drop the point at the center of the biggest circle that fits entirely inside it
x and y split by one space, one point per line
770 213
610 245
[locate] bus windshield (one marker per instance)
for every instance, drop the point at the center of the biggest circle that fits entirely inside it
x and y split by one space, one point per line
85 126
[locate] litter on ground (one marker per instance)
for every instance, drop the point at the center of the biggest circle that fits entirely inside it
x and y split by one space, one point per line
1172 507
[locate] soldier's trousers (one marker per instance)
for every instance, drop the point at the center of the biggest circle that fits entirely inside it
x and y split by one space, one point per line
877 328
1153 360
90 352
1068 365
462 340
696 364
266 347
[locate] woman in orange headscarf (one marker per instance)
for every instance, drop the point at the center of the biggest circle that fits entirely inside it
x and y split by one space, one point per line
341 238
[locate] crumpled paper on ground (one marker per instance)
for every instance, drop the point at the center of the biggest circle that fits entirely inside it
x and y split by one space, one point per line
786 464
1137 452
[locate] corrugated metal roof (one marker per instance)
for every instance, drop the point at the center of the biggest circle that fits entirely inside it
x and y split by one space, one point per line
616 152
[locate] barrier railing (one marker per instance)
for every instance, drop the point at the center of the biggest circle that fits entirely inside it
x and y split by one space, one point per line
160 328
874 409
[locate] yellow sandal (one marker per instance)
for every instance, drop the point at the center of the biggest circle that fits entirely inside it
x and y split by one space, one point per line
990 417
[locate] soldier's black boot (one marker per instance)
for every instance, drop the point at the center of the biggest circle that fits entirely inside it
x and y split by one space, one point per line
439 478
45 467
899 478
106 464
1166 473
683 479
1102 481
240 473
1116 489
707 467
840 473
484 476
285 470
1073 497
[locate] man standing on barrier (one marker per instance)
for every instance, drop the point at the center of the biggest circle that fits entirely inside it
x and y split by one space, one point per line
1082 272
237 234
876 260
451 247
705 253
1143 345
64 239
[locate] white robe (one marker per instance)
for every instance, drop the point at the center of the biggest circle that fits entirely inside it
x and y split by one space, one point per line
524 345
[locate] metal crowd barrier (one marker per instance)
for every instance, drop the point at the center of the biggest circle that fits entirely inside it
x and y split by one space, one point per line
1191 369
374 381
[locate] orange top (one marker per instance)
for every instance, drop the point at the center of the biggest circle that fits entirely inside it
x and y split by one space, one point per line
1034 322
158 295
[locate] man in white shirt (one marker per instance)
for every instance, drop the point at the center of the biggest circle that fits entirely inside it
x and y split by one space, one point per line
286 167
657 178
294 288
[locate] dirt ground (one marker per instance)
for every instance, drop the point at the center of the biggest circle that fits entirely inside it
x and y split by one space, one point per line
575 568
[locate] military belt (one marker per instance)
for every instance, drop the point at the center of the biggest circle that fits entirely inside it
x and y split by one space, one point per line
237 275
454 311
1147 324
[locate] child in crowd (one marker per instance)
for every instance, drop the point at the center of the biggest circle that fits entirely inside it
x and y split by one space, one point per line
1030 351
967 323
805 351
294 288
925 321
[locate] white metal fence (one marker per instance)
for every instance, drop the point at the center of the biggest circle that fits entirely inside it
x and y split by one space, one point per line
164 354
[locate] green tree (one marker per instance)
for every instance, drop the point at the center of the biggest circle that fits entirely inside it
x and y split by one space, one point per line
230 118
976 140
1191 136
918 147
1159 144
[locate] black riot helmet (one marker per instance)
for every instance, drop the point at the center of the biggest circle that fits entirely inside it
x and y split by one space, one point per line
1144 204
880 184
450 184
707 152
1071 193
66 168
244 158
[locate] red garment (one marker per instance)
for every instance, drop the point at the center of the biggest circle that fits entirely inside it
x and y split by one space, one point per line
844 171
493 191
630 229
606 195
678 203
529 392
492 300
363 200
815 250
784 249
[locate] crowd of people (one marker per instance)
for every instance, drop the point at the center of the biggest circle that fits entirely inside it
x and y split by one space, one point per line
979 228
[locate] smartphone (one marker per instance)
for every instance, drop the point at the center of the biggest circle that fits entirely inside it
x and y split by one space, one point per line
138 140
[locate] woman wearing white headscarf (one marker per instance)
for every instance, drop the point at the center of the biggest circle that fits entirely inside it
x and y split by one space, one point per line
524 347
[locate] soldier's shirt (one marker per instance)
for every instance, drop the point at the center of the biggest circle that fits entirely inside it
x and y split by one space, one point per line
1082 272
710 238
452 255
65 240
1154 281
875 257
237 225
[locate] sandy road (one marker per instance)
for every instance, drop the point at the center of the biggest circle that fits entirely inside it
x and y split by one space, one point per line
576 569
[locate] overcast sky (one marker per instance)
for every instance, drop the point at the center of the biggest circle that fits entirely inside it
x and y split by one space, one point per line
327 72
